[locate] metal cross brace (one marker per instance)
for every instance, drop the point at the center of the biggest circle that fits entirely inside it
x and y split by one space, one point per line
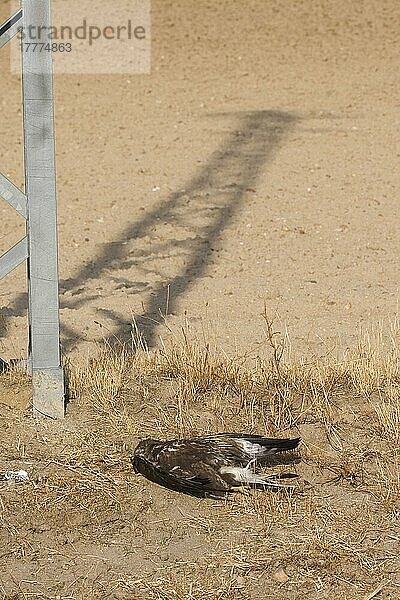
38 207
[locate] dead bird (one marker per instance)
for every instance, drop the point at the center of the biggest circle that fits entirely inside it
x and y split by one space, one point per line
212 465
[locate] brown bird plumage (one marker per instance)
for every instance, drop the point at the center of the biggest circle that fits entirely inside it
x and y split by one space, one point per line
211 465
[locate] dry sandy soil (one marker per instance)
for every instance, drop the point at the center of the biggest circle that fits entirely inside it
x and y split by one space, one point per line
86 527
257 163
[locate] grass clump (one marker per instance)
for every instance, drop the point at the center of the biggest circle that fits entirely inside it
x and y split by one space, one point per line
85 526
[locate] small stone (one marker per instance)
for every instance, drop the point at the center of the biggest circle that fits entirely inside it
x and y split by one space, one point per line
280 575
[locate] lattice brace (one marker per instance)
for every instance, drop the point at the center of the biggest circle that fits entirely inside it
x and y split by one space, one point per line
11 194
38 206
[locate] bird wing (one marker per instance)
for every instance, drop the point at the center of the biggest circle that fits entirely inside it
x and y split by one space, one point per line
277 444
243 447
198 480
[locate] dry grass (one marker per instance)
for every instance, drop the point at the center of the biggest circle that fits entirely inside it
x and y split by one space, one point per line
87 527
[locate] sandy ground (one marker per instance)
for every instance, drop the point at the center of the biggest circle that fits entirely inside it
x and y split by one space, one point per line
256 163
85 527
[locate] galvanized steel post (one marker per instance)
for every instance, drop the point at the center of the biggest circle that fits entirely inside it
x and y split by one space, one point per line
40 195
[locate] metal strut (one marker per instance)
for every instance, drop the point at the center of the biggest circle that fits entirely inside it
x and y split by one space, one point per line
38 207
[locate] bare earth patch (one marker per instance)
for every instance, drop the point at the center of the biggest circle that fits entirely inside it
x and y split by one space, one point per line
85 526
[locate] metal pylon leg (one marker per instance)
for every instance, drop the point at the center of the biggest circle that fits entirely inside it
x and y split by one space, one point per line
37 87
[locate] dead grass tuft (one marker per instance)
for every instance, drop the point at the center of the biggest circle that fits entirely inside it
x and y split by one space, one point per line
86 527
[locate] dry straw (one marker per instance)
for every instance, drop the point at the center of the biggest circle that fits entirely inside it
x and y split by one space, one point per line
337 533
